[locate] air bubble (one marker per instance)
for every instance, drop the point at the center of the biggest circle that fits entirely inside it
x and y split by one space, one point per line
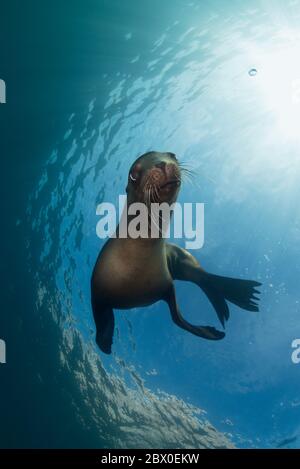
252 72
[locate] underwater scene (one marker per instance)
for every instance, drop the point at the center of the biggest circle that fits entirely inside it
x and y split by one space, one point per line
91 86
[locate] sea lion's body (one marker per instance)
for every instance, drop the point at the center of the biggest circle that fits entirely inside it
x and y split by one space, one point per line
133 272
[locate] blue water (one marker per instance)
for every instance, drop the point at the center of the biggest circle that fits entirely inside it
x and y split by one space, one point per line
103 82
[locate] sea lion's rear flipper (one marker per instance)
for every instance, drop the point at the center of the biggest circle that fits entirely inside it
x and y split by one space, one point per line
238 291
105 323
218 302
218 289
206 332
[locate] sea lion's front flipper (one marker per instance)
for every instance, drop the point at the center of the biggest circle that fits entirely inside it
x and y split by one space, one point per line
183 266
105 322
206 332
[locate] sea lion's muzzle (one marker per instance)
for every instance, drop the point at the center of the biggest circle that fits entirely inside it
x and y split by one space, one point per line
171 183
164 174
165 179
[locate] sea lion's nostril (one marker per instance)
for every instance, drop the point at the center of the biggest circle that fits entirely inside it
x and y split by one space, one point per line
161 165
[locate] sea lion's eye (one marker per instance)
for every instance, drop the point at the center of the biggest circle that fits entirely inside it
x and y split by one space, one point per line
132 178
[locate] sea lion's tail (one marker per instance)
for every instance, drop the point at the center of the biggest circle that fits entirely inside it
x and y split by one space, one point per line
242 293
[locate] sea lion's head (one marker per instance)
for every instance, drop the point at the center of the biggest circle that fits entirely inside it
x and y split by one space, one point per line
154 177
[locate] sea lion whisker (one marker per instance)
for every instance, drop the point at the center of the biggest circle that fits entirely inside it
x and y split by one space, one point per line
149 198
155 222
190 176
156 193
160 217
189 171
186 177
193 171
186 164
188 168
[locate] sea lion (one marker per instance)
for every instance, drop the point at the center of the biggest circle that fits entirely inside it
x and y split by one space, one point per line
138 272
